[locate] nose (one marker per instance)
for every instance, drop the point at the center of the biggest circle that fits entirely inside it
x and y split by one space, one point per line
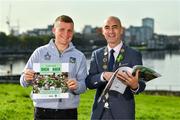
111 30
66 34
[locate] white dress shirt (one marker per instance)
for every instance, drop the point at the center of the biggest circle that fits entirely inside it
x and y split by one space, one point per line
116 49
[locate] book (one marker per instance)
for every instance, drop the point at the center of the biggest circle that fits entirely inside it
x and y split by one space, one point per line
50 81
118 86
145 74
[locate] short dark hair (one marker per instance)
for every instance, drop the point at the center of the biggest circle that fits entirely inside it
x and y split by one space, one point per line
64 18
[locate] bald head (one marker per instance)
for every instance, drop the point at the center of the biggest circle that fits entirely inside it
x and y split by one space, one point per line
113 18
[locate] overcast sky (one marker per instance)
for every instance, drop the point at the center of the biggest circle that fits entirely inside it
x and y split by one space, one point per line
31 14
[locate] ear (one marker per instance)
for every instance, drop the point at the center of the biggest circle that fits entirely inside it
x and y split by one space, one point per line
122 30
53 30
102 31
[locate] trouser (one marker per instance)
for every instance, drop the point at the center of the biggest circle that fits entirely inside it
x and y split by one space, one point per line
107 115
58 114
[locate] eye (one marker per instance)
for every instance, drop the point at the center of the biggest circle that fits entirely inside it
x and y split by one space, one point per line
70 31
106 27
114 27
61 29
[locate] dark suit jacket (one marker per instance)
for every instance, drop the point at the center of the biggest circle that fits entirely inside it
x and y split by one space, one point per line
122 106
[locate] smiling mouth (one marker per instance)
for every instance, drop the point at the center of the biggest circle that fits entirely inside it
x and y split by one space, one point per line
111 35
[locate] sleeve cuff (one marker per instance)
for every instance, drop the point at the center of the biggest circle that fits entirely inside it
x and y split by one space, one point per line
102 78
136 90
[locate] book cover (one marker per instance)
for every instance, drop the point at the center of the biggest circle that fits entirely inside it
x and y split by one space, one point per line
145 73
50 81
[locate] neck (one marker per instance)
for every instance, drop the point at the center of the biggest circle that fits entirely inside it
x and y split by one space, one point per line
113 45
61 47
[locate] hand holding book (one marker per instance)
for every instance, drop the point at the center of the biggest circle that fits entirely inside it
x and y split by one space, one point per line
120 83
145 73
128 79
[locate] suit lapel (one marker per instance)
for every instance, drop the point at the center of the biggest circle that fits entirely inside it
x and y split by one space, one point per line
102 60
117 64
102 55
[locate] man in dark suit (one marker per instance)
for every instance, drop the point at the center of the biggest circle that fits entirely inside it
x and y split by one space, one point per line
104 62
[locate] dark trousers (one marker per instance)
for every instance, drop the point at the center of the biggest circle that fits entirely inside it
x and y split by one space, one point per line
57 114
107 115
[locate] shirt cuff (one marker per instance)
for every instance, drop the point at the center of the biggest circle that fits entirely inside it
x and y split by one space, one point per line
102 78
75 92
135 91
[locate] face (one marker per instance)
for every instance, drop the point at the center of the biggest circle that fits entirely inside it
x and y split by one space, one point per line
63 32
112 31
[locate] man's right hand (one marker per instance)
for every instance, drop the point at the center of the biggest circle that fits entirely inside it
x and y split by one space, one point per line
28 75
107 75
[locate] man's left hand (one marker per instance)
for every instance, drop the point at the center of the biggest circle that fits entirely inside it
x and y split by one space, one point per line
72 84
128 79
